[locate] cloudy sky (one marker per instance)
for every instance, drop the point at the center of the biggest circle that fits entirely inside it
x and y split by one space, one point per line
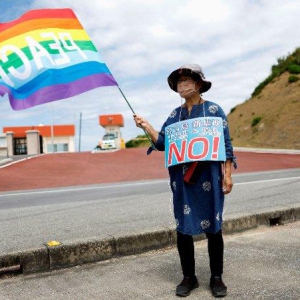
235 41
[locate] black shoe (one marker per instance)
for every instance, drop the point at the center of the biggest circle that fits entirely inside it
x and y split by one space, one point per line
218 287
186 285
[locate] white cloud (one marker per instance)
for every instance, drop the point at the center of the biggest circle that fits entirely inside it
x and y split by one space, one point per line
236 43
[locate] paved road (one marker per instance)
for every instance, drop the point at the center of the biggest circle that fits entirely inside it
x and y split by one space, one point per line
84 168
259 264
31 218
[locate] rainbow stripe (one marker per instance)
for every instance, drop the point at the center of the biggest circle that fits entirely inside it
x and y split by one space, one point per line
46 55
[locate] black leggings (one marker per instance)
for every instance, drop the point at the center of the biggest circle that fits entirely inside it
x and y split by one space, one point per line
185 245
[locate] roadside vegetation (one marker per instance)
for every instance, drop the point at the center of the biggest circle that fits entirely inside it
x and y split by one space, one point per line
139 141
289 63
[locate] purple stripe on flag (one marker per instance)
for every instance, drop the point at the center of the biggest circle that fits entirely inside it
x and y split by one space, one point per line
62 91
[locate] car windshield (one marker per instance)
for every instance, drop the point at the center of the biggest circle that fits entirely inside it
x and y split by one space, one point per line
109 137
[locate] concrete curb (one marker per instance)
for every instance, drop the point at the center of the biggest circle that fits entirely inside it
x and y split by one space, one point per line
76 253
5 161
9 161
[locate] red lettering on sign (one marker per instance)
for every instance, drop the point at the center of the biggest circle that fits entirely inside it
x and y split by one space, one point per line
173 149
204 152
214 154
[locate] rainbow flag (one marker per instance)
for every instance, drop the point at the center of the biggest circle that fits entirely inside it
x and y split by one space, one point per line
46 55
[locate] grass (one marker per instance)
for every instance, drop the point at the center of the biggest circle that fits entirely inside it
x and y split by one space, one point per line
293 78
255 121
139 141
290 63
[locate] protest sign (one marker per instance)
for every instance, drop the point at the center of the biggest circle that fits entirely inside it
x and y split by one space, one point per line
193 140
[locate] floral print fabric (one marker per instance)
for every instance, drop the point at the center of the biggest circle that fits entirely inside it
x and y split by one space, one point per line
198 207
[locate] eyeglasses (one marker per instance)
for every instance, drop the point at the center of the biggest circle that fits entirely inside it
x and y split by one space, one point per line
181 80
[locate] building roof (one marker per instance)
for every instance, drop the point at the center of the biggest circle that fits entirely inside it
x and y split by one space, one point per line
45 130
111 120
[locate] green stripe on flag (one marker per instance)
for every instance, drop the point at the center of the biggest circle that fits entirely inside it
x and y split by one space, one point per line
15 61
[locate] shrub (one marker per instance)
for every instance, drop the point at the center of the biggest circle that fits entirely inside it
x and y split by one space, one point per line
139 141
261 86
255 121
293 78
290 63
232 110
294 69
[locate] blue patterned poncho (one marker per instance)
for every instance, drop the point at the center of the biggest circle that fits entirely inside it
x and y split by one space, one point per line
198 207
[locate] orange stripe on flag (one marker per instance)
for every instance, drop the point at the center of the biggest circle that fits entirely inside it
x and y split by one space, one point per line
38 24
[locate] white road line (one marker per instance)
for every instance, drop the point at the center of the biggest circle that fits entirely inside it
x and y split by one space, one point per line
128 184
85 188
266 180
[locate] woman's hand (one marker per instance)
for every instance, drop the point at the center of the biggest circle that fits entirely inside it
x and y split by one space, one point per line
227 184
143 123
140 122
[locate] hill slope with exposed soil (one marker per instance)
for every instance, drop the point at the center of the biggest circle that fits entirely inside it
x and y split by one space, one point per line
270 118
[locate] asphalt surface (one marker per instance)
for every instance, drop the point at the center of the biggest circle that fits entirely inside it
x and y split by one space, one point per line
31 218
126 165
259 264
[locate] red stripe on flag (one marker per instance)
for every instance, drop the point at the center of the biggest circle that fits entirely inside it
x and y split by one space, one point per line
64 13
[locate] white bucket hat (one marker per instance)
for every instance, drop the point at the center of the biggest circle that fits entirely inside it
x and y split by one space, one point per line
193 70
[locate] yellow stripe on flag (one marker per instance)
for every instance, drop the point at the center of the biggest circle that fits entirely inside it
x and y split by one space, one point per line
20 41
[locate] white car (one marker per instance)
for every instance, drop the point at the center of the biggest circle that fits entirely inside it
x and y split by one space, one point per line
108 142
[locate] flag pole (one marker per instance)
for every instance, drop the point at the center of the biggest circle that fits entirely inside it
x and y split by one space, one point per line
126 100
147 135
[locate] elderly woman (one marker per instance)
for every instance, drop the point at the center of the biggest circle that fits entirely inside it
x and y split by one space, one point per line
198 201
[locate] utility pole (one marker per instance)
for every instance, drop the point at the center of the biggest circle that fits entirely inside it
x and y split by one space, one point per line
79 142
52 129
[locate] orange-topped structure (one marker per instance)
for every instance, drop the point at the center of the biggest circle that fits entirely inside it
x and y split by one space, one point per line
111 120
112 138
45 130
39 139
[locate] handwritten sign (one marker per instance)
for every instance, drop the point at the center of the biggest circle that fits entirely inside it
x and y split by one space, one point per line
193 140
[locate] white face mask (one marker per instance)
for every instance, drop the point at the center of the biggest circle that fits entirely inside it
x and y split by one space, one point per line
186 88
